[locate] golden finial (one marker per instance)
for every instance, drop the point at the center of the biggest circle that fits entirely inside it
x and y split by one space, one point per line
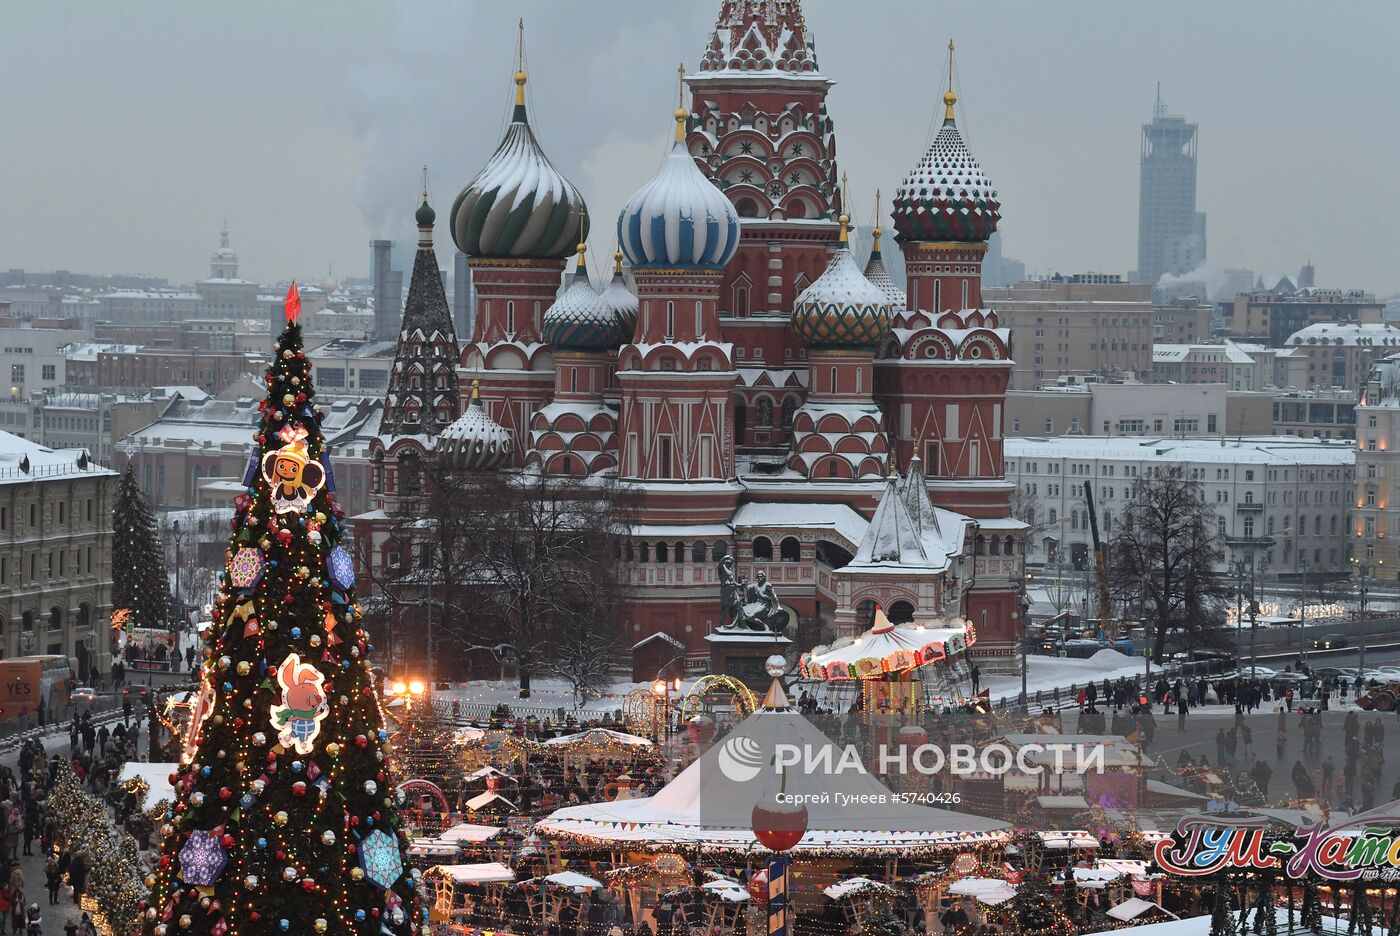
425 181
876 231
520 66
949 98
680 113
582 244
617 262
476 390
845 220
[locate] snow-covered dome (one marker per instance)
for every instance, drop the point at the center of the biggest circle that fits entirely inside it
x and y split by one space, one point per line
875 272
679 218
579 320
947 196
475 441
519 205
841 309
621 300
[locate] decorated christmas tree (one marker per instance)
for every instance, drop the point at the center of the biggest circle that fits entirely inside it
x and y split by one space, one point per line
139 582
285 820
1034 909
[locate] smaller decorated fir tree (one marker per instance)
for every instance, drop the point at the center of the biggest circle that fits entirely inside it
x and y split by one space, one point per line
139 582
1034 908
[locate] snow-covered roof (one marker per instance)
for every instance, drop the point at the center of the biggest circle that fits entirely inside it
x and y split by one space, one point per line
838 518
23 461
1269 450
903 541
487 872
1347 335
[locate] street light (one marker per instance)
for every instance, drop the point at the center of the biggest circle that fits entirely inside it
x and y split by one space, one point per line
179 539
1363 574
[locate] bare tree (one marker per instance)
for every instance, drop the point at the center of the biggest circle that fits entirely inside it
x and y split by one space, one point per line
1162 560
521 567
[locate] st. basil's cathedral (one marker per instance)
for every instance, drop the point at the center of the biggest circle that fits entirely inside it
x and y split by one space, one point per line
764 396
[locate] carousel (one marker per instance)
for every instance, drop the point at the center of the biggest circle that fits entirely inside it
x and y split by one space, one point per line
899 669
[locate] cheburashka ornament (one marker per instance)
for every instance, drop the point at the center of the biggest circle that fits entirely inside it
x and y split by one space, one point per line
293 477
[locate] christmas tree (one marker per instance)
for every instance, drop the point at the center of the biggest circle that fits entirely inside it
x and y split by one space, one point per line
139 582
1034 908
285 820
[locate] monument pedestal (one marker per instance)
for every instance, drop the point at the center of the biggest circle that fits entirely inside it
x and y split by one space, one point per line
741 653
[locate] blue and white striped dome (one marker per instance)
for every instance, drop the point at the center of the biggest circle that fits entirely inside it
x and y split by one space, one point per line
679 219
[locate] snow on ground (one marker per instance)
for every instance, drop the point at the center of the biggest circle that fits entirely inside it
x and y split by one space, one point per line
1046 673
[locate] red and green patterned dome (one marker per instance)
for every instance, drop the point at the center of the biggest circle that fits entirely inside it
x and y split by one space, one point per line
947 196
841 309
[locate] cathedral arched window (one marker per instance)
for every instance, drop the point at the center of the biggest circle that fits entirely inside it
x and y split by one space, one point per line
679 552
790 550
662 553
747 208
720 550
789 408
763 549
763 412
697 551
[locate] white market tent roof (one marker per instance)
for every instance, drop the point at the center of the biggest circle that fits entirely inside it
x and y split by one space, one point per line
597 736
431 848
157 775
1134 907
704 807
990 891
467 833
887 648
853 887
468 734
573 879
487 872
732 891
489 771
482 800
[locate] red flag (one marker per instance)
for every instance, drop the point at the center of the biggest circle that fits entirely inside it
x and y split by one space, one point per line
293 304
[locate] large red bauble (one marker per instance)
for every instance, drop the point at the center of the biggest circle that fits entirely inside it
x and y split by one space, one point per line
779 826
700 728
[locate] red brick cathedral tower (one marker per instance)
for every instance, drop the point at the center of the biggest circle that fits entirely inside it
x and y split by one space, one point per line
759 128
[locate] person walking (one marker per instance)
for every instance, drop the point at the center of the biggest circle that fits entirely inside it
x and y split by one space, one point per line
53 880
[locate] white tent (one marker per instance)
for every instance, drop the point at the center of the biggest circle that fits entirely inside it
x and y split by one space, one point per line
486 872
710 803
469 833
157 775
597 736
487 772
482 800
990 891
732 891
856 886
1135 907
573 879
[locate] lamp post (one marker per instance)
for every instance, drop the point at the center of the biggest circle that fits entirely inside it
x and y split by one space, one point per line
1025 640
1363 574
1303 621
179 539
662 689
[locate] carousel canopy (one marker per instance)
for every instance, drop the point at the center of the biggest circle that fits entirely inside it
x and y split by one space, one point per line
487 872
157 776
888 648
597 736
710 803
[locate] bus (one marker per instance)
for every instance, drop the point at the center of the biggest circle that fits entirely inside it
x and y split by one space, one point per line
34 690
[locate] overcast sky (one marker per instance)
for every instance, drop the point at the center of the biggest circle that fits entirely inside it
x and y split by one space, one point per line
132 129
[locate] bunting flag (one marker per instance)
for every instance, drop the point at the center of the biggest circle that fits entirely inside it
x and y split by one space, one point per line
293 304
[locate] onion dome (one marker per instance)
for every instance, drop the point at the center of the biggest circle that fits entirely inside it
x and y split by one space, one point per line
425 215
518 205
679 219
841 309
877 274
621 300
475 441
579 320
947 196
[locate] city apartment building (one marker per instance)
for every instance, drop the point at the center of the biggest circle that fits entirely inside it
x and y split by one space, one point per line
55 553
1272 315
1376 522
1286 499
1340 354
1063 326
